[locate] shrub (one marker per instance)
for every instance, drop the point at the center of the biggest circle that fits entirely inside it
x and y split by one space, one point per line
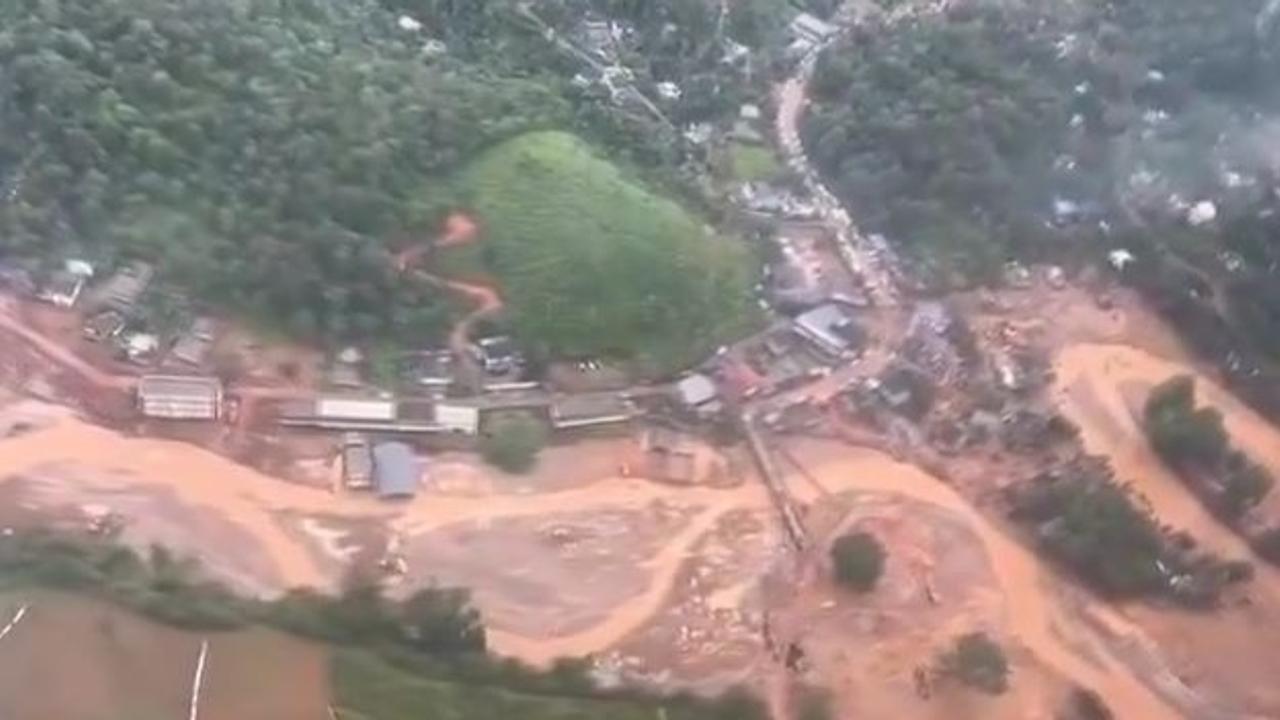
1085 704
1268 545
858 559
1180 432
512 443
977 661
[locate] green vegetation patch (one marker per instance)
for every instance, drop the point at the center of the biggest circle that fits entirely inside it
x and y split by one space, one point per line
594 264
367 687
751 163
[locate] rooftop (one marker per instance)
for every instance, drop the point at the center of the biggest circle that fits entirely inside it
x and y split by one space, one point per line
180 385
697 389
829 326
395 470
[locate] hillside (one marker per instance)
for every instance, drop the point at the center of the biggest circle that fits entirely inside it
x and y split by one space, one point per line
592 263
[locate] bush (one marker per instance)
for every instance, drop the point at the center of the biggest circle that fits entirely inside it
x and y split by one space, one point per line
512 443
1245 484
977 661
858 559
814 704
1092 525
1085 704
1180 432
1268 545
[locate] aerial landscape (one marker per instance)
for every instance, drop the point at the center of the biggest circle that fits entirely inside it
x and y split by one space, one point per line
639 359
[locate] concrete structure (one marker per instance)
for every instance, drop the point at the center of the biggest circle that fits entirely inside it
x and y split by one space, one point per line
122 290
457 418
698 392
365 414
194 345
357 461
395 471
177 397
830 329
581 411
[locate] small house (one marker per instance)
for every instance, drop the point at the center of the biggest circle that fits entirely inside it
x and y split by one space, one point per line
395 471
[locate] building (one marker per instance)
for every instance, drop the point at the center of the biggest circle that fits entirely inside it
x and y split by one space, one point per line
458 418
697 392
360 413
811 29
194 345
395 471
357 461
122 290
830 329
179 397
594 410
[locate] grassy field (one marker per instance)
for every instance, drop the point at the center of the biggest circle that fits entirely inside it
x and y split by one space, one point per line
750 163
73 658
594 264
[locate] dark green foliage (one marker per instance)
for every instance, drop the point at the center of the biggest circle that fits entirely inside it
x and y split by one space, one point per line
1093 526
1244 484
1268 545
260 151
1195 442
442 622
920 125
977 661
858 559
512 442
1179 431
163 587
1085 704
814 703
368 685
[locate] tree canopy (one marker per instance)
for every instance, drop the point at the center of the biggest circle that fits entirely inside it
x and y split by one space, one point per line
858 558
262 151
977 661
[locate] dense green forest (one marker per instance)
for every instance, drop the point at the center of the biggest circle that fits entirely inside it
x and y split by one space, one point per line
988 133
1059 133
261 151
269 153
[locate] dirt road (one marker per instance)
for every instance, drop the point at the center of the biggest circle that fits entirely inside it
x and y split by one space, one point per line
459 230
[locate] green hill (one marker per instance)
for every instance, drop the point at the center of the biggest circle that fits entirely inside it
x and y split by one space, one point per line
594 264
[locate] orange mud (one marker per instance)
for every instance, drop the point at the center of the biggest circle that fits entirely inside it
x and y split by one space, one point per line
255 504
1035 615
1101 388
